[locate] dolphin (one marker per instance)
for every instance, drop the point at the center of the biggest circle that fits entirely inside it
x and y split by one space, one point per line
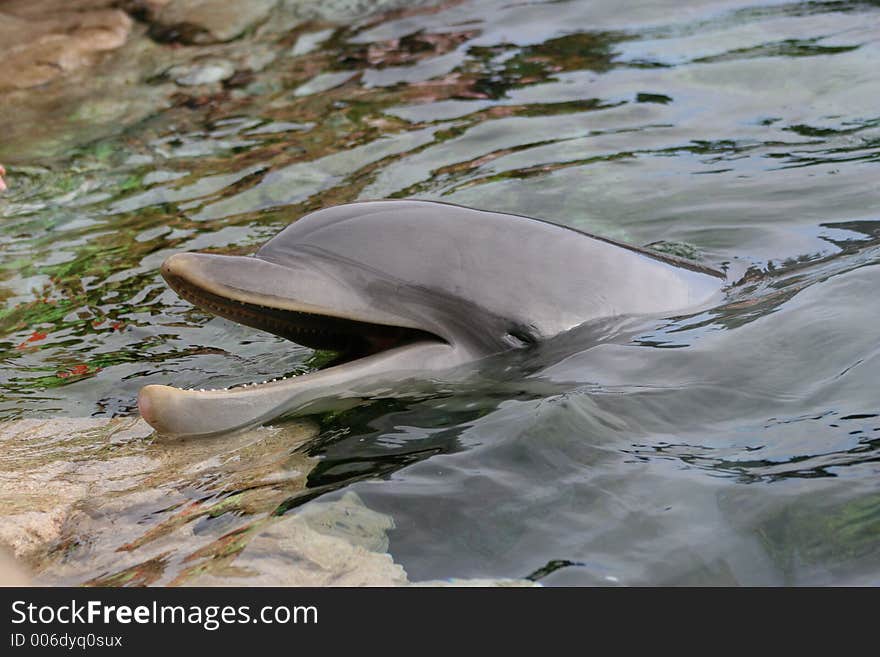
404 290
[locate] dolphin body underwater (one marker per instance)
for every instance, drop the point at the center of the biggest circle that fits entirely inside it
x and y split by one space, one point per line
404 290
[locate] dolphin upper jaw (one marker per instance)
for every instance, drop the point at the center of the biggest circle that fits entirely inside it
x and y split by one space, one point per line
255 281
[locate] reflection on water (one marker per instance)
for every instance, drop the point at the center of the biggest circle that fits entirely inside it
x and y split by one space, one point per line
737 446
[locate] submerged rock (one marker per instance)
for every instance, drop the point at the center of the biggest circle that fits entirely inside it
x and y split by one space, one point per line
338 543
204 72
42 475
315 549
101 502
309 42
11 572
208 21
37 48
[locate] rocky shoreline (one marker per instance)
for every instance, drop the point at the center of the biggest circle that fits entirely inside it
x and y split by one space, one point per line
81 70
101 502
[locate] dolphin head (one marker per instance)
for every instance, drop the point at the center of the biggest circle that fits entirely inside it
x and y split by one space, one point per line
401 287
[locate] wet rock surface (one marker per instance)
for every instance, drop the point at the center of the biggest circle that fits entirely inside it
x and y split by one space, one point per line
204 72
11 572
42 41
207 21
102 502
83 70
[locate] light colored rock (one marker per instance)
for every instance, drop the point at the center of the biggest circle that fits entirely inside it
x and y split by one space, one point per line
27 533
38 50
349 519
12 573
41 478
309 41
39 9
338 543
100 501
89 499
204 72
215 20
342 11
290 553
258 57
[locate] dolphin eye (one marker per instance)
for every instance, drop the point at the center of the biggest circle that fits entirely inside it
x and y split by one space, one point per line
518 338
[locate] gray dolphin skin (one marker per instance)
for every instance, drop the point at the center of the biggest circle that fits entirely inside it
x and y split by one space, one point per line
404 290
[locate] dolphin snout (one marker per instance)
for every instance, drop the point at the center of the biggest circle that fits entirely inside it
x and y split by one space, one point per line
146 403
178 265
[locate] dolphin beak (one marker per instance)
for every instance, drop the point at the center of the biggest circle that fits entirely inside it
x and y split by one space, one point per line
223 284
179 264
239 278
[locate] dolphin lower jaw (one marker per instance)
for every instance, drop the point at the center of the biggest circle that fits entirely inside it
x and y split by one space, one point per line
182 413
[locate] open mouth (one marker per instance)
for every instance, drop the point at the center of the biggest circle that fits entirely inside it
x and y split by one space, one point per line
348 339
262 295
